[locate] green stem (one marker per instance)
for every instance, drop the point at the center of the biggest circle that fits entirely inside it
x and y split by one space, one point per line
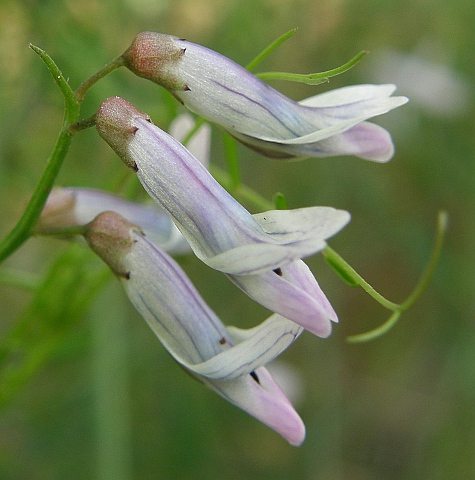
442 224
348 271
22 230
242 192
87 84
199 122
72 230
230 148
72 102
82 124
377 332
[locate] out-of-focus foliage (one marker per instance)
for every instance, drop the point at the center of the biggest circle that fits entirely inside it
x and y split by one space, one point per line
109 403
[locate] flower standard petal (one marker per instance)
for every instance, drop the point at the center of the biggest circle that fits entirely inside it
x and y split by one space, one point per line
192 333
221 232
223 92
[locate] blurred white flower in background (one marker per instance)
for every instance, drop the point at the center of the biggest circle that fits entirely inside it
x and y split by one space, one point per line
434 86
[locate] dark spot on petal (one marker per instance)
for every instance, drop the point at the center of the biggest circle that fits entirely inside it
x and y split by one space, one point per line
134 167
278 271
126 275
255 377
222 341
134 130
186 88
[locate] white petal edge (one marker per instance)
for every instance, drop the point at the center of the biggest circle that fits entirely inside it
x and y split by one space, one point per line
385 106
300 233
257 347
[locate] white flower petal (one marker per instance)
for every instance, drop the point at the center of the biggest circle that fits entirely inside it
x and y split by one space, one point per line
288 226
349 95
221 232
256 347
258 258
192 333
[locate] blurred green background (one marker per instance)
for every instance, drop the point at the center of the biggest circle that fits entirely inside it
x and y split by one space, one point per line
98 397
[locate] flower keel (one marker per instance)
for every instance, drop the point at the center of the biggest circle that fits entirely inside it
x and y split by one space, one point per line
229 361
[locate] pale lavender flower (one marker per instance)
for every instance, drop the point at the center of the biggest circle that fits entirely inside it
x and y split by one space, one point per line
215 87
226 359
74 206
70 206
260 253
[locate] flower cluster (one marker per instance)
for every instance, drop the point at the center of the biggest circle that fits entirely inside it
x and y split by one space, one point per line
262 254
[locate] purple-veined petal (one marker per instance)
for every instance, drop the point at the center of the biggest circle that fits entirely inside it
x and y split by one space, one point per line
225 93
251 250
365 140
192 333
252 348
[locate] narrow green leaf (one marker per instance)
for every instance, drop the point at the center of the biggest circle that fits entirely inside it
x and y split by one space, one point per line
257 60
442 224
280 201
312 78
377 332
72 106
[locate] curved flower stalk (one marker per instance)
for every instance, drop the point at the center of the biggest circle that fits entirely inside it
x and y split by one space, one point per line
215 87
228 360
261 253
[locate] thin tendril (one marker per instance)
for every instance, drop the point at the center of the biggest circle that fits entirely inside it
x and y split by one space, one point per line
442 222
